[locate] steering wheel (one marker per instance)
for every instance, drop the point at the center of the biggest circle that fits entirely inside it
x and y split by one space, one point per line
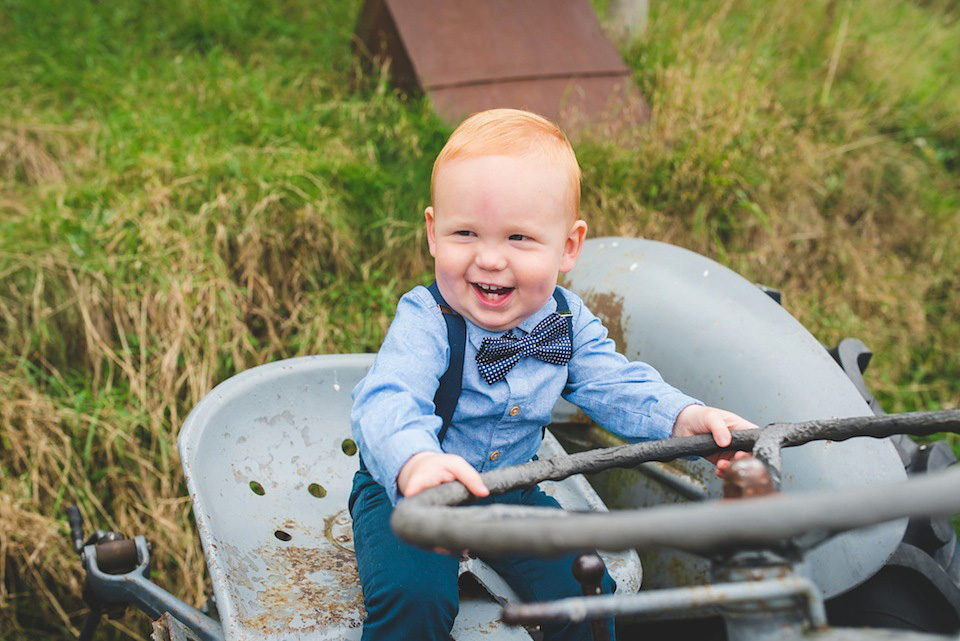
799 521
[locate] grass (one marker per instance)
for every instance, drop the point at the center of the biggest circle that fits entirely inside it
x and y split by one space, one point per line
193 188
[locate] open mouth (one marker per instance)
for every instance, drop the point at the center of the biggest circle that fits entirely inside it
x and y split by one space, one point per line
491 293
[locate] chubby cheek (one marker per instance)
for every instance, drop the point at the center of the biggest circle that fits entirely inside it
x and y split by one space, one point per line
450 258
538 281
448 266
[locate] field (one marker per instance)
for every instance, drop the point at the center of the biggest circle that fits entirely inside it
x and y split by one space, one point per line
193 187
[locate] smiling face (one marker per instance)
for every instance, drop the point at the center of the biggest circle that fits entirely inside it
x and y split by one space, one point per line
501 229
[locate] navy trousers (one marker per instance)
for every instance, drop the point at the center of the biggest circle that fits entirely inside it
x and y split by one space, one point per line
411 593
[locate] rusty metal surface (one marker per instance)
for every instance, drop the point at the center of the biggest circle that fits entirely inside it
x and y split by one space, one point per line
299 589
459 42
747 478
577 104
117 557
546 56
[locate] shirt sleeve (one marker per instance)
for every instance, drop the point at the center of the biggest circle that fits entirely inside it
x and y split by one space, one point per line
393 415
628 398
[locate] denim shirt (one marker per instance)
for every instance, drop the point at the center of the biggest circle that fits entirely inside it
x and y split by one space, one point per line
497 425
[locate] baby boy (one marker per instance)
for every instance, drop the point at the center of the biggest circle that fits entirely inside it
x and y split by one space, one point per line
503 224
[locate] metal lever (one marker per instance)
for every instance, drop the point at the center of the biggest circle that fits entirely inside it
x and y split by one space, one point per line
117 575
588 571
76 527
96 612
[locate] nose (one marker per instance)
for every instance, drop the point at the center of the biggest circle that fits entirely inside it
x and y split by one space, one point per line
490 257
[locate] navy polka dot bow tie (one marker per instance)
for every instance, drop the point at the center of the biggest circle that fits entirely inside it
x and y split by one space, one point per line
549 341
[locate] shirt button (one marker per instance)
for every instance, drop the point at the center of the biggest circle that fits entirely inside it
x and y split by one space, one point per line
494 455
514 410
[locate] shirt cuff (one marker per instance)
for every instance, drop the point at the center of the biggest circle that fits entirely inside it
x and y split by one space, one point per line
669 408
398 449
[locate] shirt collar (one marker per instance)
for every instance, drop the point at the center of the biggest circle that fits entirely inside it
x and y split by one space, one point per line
476 334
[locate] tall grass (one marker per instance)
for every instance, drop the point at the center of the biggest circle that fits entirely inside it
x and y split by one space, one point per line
812 148
188 189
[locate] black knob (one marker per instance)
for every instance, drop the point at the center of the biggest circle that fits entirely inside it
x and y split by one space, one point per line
588 571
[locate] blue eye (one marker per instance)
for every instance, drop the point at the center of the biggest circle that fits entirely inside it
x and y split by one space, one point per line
463 232
518 237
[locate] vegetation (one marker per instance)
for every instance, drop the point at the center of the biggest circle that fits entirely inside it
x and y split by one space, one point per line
194 187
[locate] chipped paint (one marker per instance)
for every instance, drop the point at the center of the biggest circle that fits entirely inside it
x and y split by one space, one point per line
608 307
311 589
298 589
286 416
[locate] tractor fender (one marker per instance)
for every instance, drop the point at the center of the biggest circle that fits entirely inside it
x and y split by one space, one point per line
723 340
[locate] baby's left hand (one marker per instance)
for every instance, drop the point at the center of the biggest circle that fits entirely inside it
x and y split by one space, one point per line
698 419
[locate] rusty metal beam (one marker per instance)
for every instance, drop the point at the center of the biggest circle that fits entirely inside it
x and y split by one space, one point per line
546 56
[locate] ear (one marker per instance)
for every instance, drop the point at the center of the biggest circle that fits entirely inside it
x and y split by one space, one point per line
431 230
572 246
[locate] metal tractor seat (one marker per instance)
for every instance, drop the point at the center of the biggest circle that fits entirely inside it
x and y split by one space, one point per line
269 461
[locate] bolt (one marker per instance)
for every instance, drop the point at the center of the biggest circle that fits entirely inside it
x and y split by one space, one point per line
747 477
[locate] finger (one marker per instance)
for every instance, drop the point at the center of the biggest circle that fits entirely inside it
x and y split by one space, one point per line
421 482
728 456
415 486
718 427
470 478
723 466
717 457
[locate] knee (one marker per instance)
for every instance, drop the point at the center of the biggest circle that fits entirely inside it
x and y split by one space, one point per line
424 596
417 605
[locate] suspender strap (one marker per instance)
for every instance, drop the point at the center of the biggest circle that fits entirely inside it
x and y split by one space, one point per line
564 310
451 382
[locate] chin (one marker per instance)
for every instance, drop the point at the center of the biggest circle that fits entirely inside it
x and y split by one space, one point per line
496 324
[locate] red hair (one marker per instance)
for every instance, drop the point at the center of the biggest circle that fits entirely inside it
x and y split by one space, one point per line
507 132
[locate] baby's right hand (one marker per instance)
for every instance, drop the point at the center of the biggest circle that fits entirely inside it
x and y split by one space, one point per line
428 469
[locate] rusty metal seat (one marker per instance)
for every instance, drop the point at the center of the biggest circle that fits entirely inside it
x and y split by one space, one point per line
268 459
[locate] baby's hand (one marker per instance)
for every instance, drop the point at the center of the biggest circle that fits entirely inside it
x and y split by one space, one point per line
697 419
428 469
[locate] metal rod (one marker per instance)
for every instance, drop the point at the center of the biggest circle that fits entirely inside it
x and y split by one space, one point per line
676 600
90 624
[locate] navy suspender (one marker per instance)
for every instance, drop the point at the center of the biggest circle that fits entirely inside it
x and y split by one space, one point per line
451 383
564 310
